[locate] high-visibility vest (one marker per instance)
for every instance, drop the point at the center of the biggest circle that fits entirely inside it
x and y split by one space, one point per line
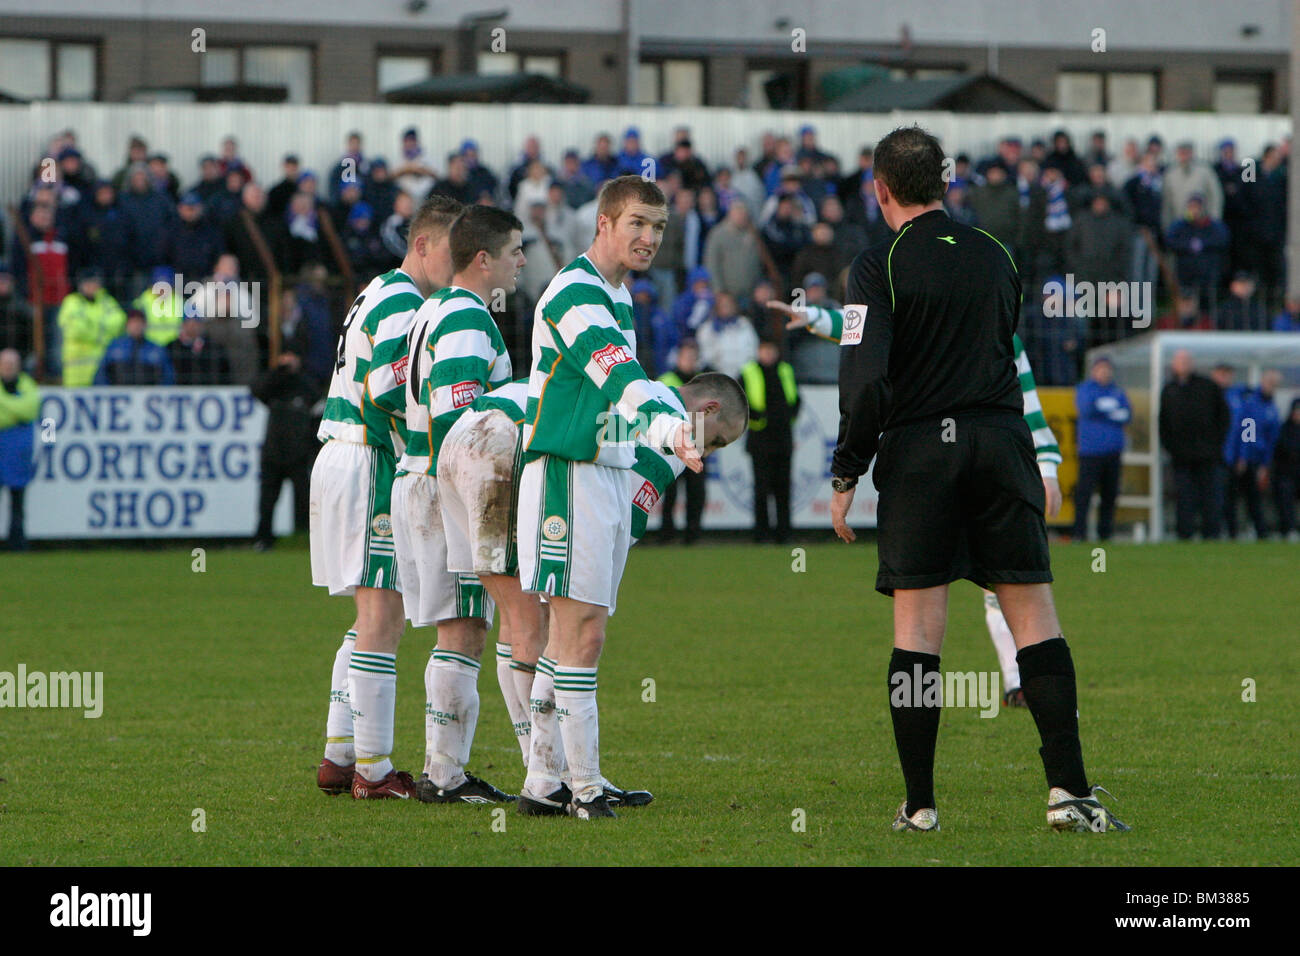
751 376
671 379
162 315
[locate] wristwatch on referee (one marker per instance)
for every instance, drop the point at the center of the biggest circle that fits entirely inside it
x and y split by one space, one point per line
840 485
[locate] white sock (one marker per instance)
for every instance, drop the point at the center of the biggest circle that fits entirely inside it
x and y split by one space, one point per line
575 711
450 714
1003 642
373 680
516 706
546 763
338 726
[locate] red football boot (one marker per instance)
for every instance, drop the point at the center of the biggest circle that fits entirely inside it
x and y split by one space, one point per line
398 785
334 779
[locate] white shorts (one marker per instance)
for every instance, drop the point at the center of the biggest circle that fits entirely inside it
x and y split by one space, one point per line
351 528
478 492
575 524
430 592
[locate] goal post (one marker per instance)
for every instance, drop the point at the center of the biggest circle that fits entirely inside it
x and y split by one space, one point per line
1142 368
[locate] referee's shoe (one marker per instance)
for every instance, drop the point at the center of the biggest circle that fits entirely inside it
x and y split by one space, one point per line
925 820
1081 814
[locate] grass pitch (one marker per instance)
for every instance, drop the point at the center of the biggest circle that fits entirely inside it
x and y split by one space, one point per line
769 699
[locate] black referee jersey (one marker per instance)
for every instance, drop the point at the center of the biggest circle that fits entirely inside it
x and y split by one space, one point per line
942 303
930 390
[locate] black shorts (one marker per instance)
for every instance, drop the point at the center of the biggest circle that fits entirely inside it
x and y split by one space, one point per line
967 508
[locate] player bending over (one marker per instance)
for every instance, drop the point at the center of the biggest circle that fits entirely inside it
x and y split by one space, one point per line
829 325
456 353
351 528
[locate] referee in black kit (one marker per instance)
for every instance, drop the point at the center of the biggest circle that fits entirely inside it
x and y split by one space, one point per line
928 361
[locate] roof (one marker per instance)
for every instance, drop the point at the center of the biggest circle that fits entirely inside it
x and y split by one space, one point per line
961 93
489 88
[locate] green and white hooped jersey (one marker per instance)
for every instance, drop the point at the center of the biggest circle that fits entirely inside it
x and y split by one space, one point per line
585 373
829 324
653 472
456 354
367 370
511 398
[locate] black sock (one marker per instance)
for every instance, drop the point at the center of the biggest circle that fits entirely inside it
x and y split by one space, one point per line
916 726
1047 678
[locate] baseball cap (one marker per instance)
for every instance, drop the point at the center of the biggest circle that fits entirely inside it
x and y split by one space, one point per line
631 131
191 198
360 210
467 145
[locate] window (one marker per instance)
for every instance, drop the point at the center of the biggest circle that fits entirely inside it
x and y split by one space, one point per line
48 69
219 67
547 64
287 66
1242 92
670 83
1089 92
396 70
776 85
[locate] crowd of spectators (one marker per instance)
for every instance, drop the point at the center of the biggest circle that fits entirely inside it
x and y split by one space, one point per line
782 218
145 276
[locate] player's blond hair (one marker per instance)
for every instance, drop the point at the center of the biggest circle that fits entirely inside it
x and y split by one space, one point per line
617 193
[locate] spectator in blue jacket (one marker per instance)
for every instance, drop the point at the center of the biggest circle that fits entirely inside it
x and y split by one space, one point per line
631 161
149 214
602 164
656 333
693 307
1104 411
132 359
1199 243
193 241
1256 424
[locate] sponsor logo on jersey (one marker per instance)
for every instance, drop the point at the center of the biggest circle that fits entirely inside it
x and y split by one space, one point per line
610 356
646 497
399 369
855 320
382 525
463 393
555 528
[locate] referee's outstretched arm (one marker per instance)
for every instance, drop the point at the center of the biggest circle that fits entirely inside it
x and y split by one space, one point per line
864 368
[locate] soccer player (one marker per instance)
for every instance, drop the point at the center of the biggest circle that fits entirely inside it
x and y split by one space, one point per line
456 353
829 324
478 473
351 528
931 365
574 494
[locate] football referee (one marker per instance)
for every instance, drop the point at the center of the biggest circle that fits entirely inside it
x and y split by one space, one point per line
928 387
